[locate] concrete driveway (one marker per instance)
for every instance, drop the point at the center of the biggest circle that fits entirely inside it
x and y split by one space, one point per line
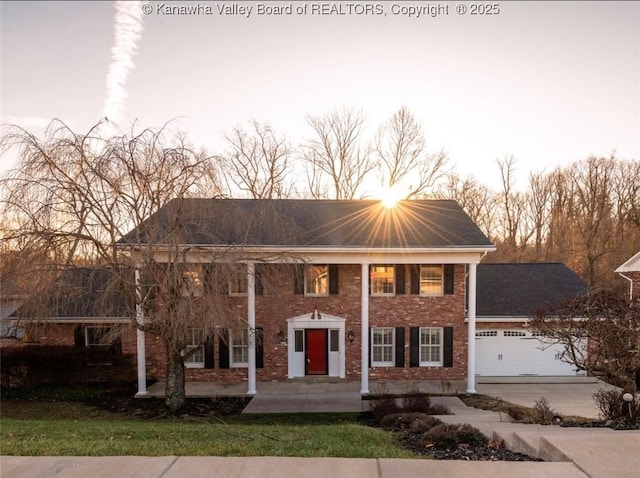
566 395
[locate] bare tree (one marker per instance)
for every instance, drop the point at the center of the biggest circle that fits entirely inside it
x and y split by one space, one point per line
335 154
75 196
477 200
257 162
401 149
538 208
592 181
611 327
514 228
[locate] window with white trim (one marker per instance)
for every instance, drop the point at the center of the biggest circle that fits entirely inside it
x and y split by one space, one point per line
431 280
195 340
192 284
383 279
382 346
430 346
238 284
316 280
96 336
239 348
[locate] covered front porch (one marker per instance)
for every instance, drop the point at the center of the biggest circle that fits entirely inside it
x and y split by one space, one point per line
310 395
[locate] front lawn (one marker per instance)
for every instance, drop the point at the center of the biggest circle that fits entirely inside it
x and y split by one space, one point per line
36 427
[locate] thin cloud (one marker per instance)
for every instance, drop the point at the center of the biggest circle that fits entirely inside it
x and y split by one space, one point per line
128 29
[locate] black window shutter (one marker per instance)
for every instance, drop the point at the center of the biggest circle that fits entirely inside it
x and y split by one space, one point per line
399 347
223 349
400 279
207 277
78 336
447 350
212 280
116 346
333 279
370 346
298 279
259 347
448 278
259 278
208 352
415 279
414 347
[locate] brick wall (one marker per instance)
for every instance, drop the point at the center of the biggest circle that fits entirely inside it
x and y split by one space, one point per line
279 303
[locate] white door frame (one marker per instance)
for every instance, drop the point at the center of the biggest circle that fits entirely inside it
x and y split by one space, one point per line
315 320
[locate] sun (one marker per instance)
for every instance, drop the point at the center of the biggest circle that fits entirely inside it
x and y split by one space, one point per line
390 197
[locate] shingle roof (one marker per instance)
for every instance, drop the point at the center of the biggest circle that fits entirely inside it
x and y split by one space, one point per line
312 223
87 292
519 290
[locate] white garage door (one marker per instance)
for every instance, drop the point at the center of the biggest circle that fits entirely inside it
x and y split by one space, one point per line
517 352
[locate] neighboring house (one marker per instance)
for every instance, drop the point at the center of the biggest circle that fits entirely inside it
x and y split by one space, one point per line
508 297
360 290
77 309
630 270
11 297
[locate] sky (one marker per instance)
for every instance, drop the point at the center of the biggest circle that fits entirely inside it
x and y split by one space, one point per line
550 83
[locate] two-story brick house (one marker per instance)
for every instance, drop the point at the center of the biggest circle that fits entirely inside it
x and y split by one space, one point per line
346 289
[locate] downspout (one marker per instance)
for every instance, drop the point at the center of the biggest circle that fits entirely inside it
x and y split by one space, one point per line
630 286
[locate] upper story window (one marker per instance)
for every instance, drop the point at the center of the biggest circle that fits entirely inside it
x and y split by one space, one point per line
431 280
195 341
238 282
316 280
192 284
382 279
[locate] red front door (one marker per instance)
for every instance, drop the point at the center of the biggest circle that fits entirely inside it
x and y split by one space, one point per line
316 342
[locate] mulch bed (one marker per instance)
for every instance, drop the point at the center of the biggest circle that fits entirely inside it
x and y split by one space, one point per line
493 451
150 408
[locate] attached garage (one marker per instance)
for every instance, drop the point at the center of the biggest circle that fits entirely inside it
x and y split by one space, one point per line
508 297
505 352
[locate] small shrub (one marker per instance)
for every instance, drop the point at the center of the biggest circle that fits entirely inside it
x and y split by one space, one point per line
439 410
382 407
543 412
449 436
517 413
613 407
416 402
416 422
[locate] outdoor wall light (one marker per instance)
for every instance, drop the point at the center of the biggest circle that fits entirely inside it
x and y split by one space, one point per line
280 336
351 336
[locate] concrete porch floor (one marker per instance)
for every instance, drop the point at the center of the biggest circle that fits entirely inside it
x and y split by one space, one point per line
314 395
311 385
566 395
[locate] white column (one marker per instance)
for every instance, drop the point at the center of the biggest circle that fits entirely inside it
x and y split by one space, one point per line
140 339
251 318
364 286
471 345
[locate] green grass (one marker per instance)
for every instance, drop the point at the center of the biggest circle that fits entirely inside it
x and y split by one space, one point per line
69 428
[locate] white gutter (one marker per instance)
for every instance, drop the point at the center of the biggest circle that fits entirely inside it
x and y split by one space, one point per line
630 285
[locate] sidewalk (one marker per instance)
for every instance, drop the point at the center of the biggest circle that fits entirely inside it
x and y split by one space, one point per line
272 467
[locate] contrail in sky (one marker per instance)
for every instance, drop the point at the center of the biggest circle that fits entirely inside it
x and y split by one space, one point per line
128 29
